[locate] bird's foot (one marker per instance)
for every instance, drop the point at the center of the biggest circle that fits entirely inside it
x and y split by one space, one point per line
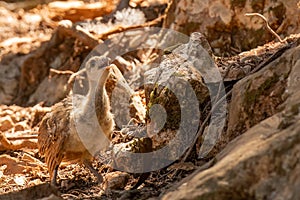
53 178
89 165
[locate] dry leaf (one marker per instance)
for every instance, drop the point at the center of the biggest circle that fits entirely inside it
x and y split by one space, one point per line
20 180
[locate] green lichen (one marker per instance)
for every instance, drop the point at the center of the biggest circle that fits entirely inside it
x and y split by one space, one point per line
288 118
156 97
178 74
170 49
295 109
152 99
162 95
252 96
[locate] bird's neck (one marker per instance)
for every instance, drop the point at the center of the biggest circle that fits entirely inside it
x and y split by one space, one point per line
97 98
90 97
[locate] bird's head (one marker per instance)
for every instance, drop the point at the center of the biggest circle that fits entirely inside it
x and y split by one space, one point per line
97 67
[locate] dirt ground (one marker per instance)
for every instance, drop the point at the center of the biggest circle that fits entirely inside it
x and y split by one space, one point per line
27 25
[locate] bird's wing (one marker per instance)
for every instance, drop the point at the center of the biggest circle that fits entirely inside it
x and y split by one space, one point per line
53 132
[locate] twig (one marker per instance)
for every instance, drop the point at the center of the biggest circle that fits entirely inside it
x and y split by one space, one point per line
271 58
10 146
70 195
25 137
119 29
79 33
68 72
23 5
74 75
267 24
55 71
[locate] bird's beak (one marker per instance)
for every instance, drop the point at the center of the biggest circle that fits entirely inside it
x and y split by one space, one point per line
108 68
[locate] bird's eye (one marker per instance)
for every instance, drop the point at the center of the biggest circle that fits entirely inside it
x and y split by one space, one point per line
93 63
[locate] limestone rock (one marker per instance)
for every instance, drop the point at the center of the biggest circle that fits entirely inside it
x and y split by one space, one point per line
226 26
258 96
116 180
176 90
42 192
10 71
263 162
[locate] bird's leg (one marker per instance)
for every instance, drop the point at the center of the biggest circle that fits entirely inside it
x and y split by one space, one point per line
89 165
141 180
54 175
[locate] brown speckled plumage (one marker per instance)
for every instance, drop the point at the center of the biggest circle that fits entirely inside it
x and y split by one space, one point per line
58 138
